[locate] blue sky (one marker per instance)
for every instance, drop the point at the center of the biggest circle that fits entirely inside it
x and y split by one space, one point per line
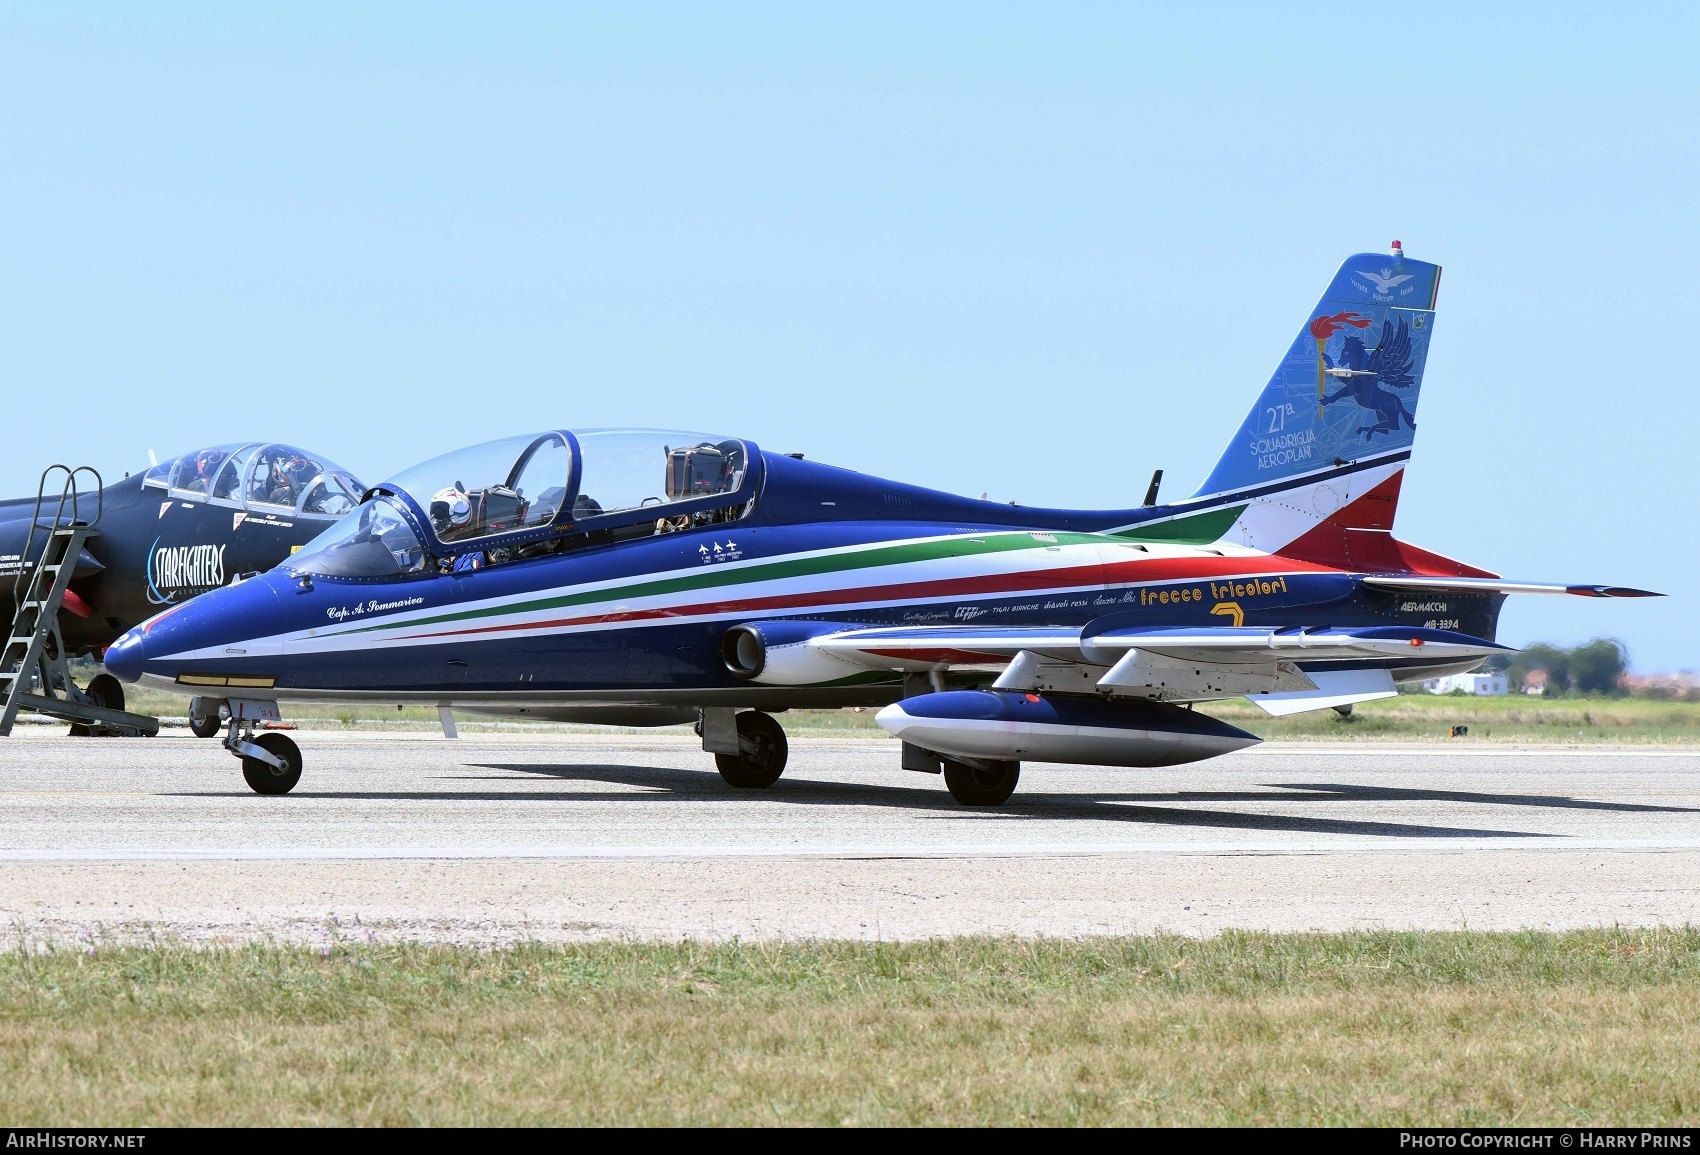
1032 250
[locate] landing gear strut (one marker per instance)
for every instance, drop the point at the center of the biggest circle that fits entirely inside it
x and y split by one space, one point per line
761 748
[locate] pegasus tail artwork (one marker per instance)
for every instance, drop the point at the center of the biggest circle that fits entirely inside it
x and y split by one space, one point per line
1324 447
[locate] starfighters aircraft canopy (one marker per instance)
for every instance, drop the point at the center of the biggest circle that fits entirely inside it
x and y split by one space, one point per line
261 477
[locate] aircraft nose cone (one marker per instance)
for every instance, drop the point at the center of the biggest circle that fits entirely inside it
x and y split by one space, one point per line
124 657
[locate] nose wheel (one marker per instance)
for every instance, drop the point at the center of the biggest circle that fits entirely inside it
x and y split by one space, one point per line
271 762
264 777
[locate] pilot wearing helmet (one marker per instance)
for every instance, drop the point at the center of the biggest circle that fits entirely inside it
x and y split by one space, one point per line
207 462
285 476
451 511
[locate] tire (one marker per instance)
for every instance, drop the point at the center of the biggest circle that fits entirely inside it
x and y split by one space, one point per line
975 787
207 727
264 779
107 692
762 751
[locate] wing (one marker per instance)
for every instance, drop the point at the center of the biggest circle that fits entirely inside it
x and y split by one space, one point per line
1267 664
1391 360
1399 280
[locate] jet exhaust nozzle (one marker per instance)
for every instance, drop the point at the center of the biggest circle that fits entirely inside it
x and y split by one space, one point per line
1003 726
779 654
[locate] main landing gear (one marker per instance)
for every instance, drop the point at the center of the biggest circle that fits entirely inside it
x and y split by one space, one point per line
749 748
971 781
981 783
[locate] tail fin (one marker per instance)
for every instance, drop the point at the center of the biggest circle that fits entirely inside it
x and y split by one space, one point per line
1330 434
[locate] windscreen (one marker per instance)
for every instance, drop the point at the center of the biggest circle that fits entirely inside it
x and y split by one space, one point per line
375 541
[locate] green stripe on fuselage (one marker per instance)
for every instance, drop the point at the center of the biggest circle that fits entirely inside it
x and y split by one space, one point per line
1193 529
719 576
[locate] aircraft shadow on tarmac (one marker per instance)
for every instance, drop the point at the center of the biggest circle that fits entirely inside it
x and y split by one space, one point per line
700 785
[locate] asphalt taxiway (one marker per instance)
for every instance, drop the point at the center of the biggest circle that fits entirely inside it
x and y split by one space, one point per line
497 838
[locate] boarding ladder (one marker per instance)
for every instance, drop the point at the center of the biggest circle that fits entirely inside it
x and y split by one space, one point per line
34 651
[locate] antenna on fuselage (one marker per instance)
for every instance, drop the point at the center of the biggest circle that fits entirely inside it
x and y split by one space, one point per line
1151 494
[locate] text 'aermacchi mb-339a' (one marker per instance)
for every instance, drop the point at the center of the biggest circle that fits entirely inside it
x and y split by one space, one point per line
653 578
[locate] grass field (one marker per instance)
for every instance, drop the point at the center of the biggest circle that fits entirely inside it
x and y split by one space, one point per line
1370 1028
1407 718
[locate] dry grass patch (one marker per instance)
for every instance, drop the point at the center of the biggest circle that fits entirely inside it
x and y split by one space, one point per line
1360 1028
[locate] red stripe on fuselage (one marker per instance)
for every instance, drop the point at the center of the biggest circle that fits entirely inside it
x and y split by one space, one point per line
1117 574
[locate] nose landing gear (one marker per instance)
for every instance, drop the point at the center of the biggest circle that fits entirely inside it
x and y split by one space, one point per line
271 763
280 773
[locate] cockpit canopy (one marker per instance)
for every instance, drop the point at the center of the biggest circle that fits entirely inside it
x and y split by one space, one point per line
536 493
265 478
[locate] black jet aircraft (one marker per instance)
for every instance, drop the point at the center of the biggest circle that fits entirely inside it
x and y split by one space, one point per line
197 522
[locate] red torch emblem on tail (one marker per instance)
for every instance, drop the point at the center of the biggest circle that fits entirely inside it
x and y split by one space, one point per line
1321 329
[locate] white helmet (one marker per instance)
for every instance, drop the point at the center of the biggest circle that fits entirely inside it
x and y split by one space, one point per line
457 508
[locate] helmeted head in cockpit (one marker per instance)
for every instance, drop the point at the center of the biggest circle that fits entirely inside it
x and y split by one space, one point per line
539 493
269 478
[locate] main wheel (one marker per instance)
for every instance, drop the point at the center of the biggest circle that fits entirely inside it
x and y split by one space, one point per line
207 727
266 779
761 755
972 786
106 692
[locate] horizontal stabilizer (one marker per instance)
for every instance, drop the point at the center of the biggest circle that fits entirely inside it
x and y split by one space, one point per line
1469 585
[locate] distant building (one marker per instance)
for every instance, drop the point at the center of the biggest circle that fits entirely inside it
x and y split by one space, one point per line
1484 684
1535 682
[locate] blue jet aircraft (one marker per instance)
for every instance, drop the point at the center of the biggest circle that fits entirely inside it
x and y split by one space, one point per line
652 578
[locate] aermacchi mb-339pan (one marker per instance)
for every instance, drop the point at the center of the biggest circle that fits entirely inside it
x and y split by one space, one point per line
652 578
